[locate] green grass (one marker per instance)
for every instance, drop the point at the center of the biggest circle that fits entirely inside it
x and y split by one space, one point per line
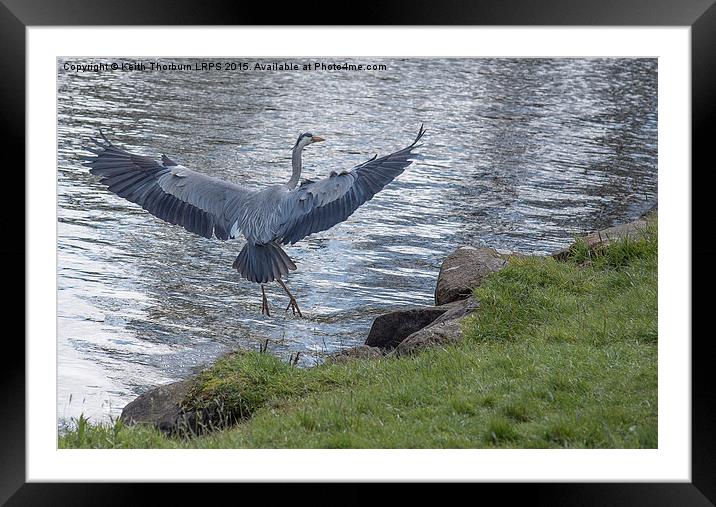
560 354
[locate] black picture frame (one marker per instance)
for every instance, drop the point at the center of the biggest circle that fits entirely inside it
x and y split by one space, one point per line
699 15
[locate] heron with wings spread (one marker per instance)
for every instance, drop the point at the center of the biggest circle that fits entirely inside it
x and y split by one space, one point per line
276 215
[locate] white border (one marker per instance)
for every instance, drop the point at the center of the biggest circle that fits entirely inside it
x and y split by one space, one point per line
671 462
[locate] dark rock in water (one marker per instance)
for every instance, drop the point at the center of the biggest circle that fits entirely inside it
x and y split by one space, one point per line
359 352
159 407
463 270
604 237
390 329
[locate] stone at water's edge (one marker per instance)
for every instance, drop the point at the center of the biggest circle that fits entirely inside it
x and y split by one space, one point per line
602 238
442 333
463 270
389 329
457 310
358 352
159 407
444 330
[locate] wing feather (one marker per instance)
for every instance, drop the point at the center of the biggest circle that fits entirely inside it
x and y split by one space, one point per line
201 204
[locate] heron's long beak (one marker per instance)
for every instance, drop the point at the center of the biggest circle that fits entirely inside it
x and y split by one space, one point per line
317 139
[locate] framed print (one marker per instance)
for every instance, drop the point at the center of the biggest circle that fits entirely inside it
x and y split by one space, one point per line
151 137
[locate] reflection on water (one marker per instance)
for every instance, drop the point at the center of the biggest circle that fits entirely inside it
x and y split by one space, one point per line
520 154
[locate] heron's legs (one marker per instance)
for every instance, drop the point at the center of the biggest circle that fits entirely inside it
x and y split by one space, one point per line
292 304
264 302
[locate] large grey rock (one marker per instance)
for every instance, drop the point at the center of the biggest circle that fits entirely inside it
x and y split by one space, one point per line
359 352
463 270
159 407
389 329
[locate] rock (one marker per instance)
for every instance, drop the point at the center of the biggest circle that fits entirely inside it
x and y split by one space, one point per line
651 213
457 310
359 352
444 330
441 333
389 329
602 238
159 407
463 270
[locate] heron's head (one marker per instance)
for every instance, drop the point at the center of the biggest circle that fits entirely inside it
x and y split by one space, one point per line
305 139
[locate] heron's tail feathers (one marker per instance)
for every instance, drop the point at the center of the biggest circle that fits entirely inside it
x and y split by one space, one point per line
263 263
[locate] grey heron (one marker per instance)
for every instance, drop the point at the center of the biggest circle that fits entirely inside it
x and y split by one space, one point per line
277 215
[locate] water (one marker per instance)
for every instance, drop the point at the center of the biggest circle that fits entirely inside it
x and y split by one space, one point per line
520 154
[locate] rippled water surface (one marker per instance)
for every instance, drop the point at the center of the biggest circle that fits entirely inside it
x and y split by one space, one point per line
520 155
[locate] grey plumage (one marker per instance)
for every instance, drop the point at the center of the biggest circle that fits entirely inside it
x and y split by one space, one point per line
263 263
277 215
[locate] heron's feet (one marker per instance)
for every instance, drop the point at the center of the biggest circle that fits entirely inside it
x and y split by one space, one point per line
264 303
293 305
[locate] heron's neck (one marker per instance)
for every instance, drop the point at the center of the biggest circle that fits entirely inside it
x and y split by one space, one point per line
296 162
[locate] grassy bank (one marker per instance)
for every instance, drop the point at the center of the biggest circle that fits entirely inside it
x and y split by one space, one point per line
560 354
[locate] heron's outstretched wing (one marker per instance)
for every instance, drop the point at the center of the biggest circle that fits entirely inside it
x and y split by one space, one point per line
199 203
317 206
